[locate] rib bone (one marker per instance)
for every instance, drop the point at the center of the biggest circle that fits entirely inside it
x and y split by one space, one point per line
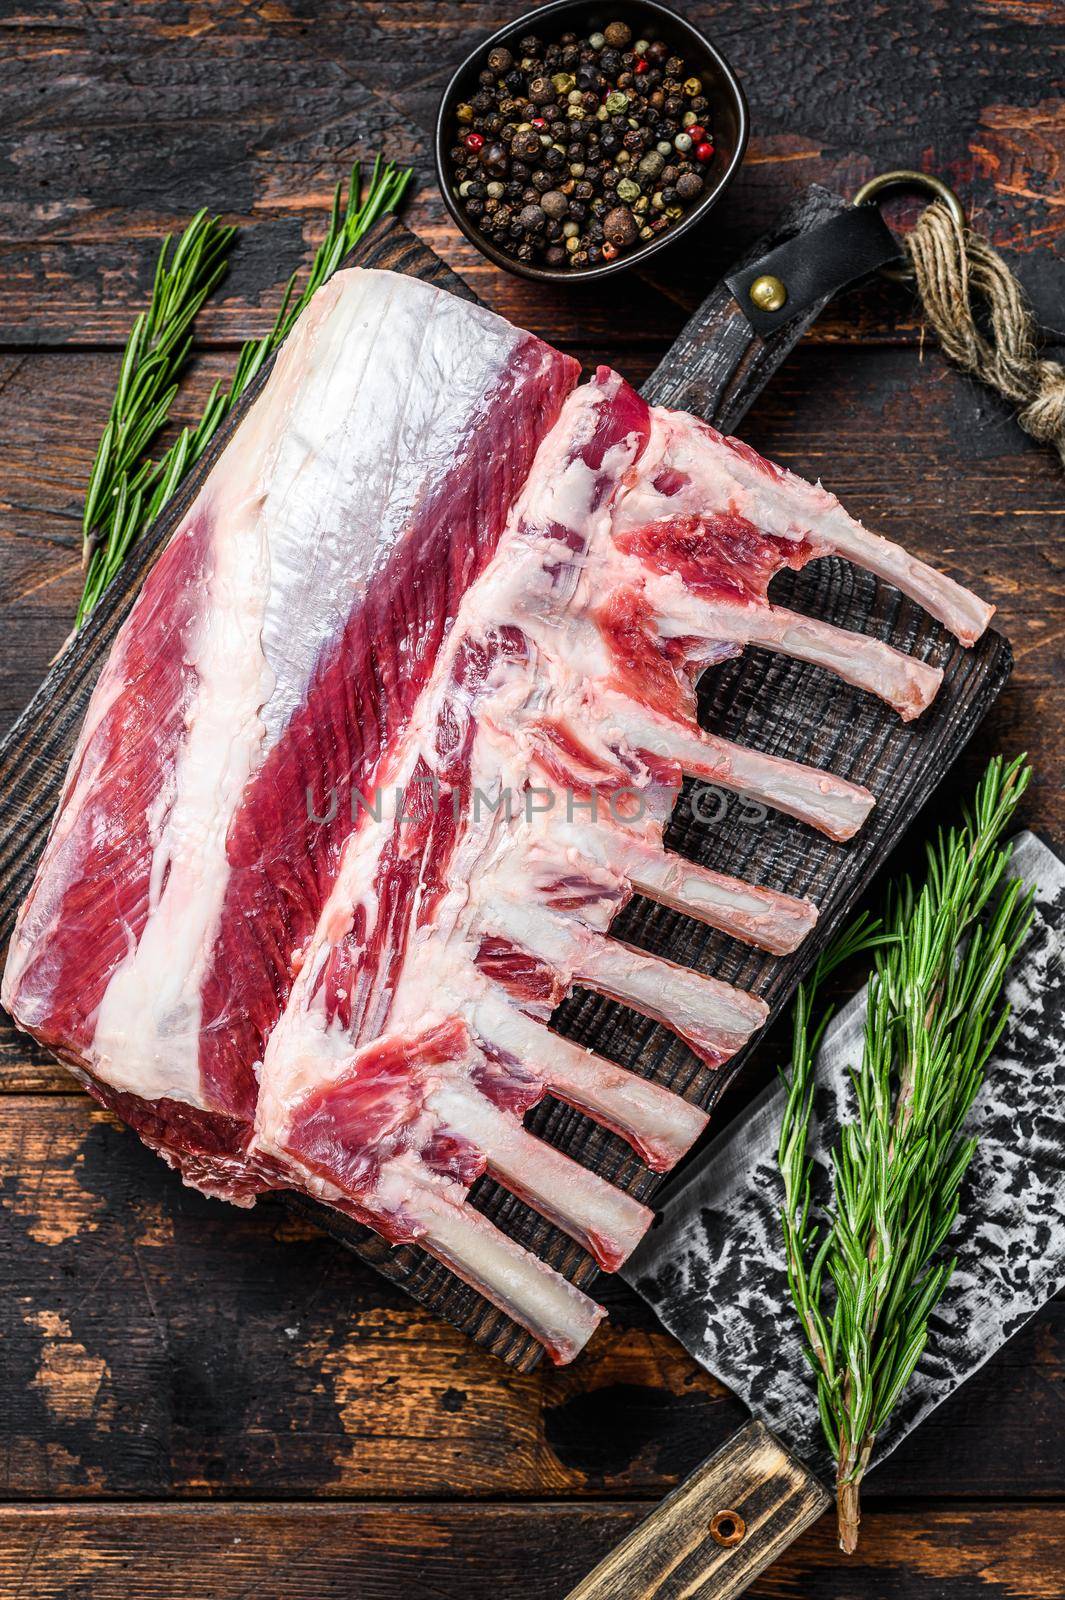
603 1219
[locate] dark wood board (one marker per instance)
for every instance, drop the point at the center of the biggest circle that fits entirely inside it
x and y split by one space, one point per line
716 368
161 1345
120 120
534 1552
243 1355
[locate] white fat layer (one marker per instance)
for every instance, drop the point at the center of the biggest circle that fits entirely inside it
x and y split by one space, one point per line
147 1030
359 421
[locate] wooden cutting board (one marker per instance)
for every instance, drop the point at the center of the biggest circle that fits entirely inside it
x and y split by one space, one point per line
716 368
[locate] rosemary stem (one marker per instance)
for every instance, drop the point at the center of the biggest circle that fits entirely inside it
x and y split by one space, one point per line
865 1276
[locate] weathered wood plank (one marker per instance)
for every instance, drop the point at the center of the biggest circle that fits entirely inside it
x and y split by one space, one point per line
120 121
531 1552
158 1344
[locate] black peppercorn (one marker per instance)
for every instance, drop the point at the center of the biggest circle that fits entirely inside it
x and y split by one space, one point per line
531 218
529 45
525 145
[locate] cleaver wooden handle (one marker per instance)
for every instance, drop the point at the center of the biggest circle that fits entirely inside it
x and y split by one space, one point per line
718 1530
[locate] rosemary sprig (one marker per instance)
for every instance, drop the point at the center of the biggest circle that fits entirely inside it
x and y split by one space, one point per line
156 351
126 490
865 1278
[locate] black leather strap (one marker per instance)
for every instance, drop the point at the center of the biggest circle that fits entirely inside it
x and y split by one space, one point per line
817 264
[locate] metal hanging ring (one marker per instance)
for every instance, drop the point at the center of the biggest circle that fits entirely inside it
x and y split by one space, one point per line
910 180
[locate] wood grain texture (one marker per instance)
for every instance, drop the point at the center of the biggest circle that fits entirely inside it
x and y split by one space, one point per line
256 110
158 1344
719 366
533 1552
711 1538
245 1354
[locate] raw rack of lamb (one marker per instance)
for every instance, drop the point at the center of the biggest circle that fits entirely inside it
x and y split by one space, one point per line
387 740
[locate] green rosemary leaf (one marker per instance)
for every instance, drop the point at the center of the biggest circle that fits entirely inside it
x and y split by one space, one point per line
125 490
865 1276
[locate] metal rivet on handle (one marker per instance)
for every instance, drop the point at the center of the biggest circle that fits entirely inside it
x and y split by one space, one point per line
727 1527
768 293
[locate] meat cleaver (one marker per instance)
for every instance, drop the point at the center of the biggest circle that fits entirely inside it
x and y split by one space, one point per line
713 1270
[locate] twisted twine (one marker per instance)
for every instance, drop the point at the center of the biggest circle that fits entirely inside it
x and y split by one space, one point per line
954 267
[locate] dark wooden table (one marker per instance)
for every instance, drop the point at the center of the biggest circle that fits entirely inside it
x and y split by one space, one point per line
204 1402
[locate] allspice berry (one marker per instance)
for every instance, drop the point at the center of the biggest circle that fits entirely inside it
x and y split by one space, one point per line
554 204
689 186
532 218
619 228
617 35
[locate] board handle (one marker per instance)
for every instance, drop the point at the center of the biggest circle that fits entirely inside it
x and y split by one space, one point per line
711 1537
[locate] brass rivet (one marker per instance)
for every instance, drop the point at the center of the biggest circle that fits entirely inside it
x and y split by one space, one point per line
767 293
727 1527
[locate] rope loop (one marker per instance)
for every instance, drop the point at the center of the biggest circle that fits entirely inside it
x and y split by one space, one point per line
956 270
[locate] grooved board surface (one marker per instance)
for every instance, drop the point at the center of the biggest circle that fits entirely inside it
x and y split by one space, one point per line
717 367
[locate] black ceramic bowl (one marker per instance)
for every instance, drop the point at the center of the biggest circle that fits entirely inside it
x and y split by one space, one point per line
728 117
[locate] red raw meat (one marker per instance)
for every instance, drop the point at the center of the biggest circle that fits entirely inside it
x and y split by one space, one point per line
389 738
